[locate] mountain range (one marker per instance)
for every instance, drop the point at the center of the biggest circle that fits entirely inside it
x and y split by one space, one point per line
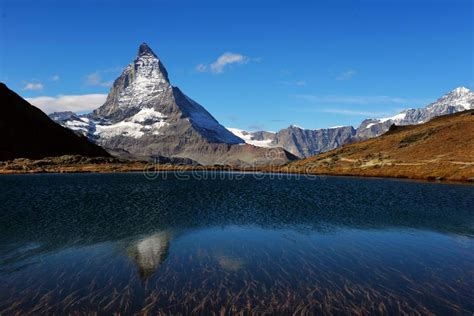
145 117
307 142
440 149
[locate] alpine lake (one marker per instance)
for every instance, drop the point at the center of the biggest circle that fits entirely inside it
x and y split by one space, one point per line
230 243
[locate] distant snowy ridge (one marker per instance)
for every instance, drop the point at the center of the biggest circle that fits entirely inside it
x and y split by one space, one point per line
459 99
306 142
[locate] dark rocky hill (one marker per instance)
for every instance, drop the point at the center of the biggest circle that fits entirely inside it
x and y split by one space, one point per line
27 132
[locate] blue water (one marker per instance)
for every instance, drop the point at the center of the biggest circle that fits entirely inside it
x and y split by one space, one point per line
234 243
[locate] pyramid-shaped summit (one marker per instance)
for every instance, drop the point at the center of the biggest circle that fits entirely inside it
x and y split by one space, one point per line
145 49
145 116
140 83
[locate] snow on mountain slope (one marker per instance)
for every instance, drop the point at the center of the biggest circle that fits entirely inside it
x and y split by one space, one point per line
250 138
147 120
147 114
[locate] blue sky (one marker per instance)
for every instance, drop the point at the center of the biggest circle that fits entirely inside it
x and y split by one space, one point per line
310 63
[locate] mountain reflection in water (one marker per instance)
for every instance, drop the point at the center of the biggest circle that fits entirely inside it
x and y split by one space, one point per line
148 253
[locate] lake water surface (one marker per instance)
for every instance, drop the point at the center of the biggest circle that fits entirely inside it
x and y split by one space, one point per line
234 243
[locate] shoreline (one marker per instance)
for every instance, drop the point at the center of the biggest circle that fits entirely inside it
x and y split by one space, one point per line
142 168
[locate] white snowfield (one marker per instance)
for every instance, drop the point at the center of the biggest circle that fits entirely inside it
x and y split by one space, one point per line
81 125
146 114
395 119
247 137
145 121
123 128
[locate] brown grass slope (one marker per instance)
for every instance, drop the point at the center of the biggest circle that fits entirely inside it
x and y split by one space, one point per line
442 148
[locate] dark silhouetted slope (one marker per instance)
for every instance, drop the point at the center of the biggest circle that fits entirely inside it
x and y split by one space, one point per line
27 132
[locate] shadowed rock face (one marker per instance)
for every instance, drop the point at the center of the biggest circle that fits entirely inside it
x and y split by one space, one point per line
299 141
26 132
145 116
306 142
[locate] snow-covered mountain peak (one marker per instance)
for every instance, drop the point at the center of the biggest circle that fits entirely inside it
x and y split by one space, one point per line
143 83
460 98
147 65
144 49
145 116
460 91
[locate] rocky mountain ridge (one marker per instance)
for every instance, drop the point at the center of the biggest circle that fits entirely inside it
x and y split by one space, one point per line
457 100
307 142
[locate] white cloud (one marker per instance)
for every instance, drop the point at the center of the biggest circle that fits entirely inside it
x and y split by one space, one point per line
346 75
222 62
201 68
33 86
74 103
227 59
95 79
55 78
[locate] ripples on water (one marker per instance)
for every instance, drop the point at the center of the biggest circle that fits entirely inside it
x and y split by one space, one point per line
121 243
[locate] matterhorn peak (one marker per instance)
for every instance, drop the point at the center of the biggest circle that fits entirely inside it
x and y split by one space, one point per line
141 84
148 64
145 117
144 49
